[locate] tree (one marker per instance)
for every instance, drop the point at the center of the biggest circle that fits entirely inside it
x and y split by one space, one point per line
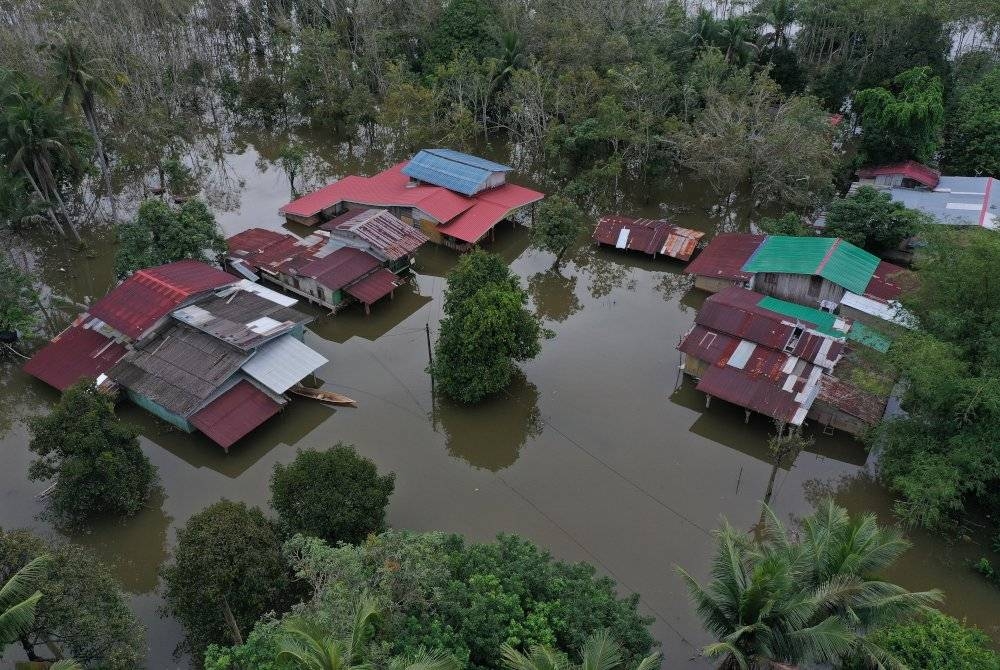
226 572
486 328
19 597
778 599
83 611
292 158
94 458
464 26
785 445
19 301
789 224
935 641
83 79
599 651
560 222
972 129
336 495
903 121
869 218
161 235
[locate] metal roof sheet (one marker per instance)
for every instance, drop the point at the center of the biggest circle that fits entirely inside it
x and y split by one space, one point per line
73 354
824 322
282 363
377 285
886 281
650 236
339 268
911 169
725 256
469 159
452 170
380 229
957 201
869 337
240 318
235 413
852 400
891 311
831 258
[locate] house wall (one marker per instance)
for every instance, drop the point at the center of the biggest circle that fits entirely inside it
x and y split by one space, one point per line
693 366
304 220
308 289
714 284
160 411
827 415
808 290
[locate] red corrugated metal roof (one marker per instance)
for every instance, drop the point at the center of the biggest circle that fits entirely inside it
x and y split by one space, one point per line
75 353
883 282
918 172
149 295
651 236
852 400
235 413
755 393
376 285
725 256
268 250
339 268
254 240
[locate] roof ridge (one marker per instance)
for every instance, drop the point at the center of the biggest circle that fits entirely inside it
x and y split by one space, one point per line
829 254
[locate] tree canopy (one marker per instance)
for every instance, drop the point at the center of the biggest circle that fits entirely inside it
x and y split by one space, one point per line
335 495
95 459
160 234
904 120
559 224
972 130
870 219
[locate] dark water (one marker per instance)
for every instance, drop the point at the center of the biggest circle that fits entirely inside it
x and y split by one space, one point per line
599 452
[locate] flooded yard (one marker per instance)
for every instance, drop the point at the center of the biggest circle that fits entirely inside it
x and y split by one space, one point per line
599 453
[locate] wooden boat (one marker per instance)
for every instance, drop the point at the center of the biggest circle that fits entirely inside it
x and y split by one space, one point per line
329 397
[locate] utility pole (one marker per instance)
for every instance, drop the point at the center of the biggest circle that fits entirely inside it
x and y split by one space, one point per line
430 356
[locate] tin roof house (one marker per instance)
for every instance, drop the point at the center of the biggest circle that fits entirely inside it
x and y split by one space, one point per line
453 197
355 257
197 347
652 237
951 200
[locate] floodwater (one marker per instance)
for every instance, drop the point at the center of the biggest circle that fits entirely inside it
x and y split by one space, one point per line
599 452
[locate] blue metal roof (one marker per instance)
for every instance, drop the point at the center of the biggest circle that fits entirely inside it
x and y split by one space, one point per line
452 170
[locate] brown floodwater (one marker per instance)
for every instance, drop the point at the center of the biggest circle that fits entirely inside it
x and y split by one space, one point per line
599 452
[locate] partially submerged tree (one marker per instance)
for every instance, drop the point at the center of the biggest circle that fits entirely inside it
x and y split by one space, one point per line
160 234
787 224
871 219
903 121
19 301
93 458
559 223
487 328
336 495
776 598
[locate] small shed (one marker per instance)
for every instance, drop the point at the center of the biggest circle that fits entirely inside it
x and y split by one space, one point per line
720 264
649 236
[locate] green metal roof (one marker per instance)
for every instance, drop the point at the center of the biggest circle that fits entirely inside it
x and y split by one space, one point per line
869 337
831 258
824 321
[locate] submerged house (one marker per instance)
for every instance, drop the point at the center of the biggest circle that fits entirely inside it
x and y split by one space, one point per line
357 256
456 199
778 359
951 200
197 347
650 236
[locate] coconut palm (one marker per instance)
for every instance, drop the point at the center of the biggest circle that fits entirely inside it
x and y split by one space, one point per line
779 15
775 598
308 646
82 79
19 597
599 652
738 38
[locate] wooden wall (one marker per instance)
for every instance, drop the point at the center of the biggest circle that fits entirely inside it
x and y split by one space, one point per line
808 290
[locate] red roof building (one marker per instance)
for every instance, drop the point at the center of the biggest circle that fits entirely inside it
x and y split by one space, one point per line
75 353
894 175
139 302
235 413
725 257
650 236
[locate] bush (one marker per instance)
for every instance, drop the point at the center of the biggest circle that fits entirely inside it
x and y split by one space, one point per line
94 458
872 220
937 642
335 495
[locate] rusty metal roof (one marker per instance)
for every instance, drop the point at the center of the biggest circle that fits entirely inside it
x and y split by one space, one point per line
339 268
650 236
852 400
725 256
75 353
241 318
235 413
383 231
375 286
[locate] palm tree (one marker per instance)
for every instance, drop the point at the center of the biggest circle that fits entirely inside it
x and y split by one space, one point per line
704 29
82 79
19 597
780 15
738 38
311 647
599 652
773 598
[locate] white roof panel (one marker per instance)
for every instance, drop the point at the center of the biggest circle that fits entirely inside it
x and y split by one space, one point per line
891 311
266 293
283 363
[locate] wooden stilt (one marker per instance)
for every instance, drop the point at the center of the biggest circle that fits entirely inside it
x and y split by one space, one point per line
746 416
708 400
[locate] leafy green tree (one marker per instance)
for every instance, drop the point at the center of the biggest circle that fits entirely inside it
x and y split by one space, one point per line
789 224
486 329
83 609
935 641
776 598
19 597
903 121
227 571
292 158
599 651
972 129
869 218
19 301
93 457
83 79
161 235
336 495
559 224
467 26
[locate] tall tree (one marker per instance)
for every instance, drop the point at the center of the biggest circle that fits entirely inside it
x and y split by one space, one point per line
83 79
871 219
559 224
903 121
972 129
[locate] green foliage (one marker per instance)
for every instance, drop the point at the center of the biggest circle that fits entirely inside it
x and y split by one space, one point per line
870 219
19 596
936 641
486 329
227 555
972 130
465 26
95 459
446 597
790 224
599 651
558 225
160 234
18 298
82 604
945 452
816 597
335 495
984 566
903 121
